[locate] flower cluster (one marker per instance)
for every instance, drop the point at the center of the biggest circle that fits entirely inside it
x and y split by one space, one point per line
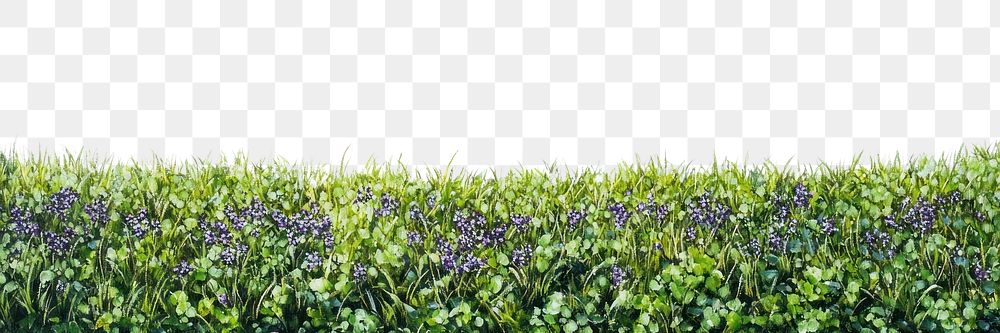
979 273
183 269
574 217
690 234
827 226
224 299
470 230
360 273
431 201
753 248
879 242
364 195
230 255
471 263
777 241
215 233
60 202
414 238
520 222
620 213
417 215
301 225
521 256
22 222
617 275
708 211
496 236
389 206
651 208
141 225
447 254
450 260
312 261
58 243
235 217
97 210
802 196
920 216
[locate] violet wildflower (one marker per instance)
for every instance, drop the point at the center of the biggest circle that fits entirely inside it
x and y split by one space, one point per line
879 243
621 214
447 254
236 218
22 223
360 273
690 235
389 206
708 211
183 269
328 240
617 275
60 243
431 200
60 202
224 299
497 236
802 196
574 217
414 238
980 216
417 215
230 255
827 226
753 248
470 228
97 210
521 256
214 233
657 246
364 195
256 211
140 225
777 241
61 286
312 261
955 197
520 222
471 264
979 273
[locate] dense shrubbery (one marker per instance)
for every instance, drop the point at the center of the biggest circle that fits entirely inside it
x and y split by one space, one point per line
245 247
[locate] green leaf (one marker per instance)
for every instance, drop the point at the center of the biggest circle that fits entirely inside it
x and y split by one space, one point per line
46 276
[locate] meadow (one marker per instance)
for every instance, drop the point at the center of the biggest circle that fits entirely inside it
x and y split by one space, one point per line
237 246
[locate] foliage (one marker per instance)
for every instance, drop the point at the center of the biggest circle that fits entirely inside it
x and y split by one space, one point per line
238 246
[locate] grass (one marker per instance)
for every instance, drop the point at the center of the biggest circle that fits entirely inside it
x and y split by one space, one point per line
237 246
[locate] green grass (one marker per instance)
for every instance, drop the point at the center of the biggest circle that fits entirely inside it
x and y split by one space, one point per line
379 268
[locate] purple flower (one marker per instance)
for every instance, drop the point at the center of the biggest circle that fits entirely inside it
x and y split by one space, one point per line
302 225
312 261
60 202
431 200
256 211
389 206
620 213
140 225
980 217
979 273
708 211
215 233
520 222
60 243
183 269
97 210
657 246
827 226
777 241
574 217
496 237
690 234
328 240
364 195
414 238
417 215
471 264
919 217
802 196
23 224
360 273
447 254
879 242
224 299
236 218
230 255
617 275
521 256
470 228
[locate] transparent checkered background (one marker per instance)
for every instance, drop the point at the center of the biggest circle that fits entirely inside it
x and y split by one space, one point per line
500 83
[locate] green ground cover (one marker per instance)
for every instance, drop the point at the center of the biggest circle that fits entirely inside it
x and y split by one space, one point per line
900 246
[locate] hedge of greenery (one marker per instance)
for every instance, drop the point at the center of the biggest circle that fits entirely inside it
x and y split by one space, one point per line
233 247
